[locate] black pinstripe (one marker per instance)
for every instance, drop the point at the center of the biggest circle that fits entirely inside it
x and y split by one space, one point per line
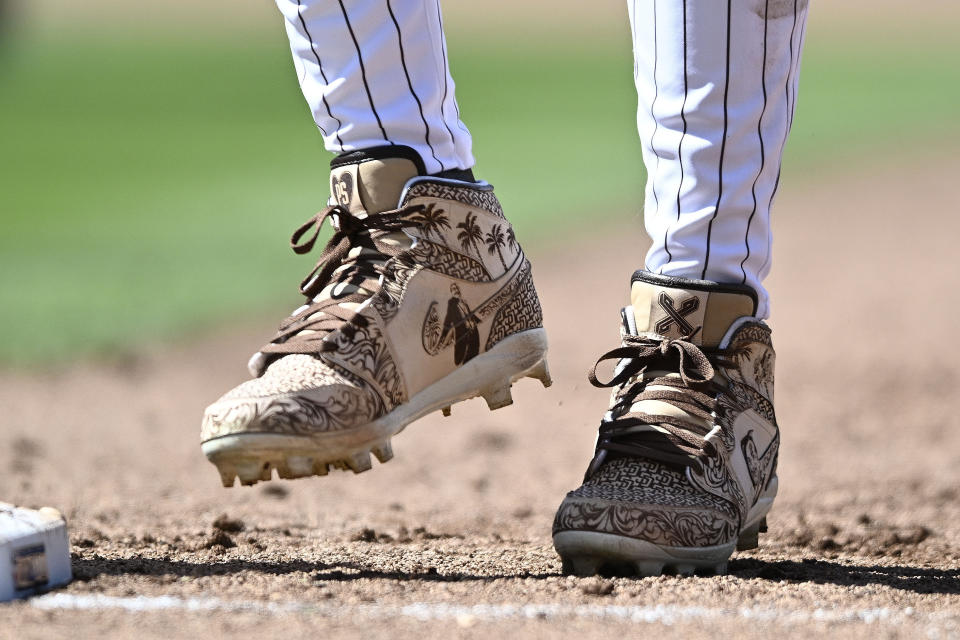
456 107
796 70
656 94
683 134
323 75
403 63
443 100
363 72
723 147
753 190
786 130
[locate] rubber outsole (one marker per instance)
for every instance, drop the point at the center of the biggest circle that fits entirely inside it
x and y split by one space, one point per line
253 457
588 553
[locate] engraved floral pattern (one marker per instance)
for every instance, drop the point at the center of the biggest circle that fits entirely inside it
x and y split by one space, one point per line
481 198
659 525
362 347
341 407
522 311
438 258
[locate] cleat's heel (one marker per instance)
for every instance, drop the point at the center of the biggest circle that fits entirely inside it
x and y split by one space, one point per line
498 396
541 372
383 451
359 462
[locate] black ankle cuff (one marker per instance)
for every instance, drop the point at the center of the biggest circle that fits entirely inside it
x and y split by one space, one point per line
709 286
398 151
463 175
380 153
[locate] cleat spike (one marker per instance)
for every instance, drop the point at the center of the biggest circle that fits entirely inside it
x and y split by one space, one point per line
296 467
266 472
584 566
720 569
749 538
649 569
542 373
383 451
321 468
227 475
566 566
684 569
498 396
359 462
763 525
249 472
446 411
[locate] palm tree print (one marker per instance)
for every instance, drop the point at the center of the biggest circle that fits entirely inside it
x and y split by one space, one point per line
495 242
471 236
433 220
511 238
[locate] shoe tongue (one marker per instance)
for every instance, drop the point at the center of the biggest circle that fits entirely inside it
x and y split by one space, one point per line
676 307
371 186
366 187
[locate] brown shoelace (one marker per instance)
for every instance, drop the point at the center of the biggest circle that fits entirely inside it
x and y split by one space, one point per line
305 330
678 441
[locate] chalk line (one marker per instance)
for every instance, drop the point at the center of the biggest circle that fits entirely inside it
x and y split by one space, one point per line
427 611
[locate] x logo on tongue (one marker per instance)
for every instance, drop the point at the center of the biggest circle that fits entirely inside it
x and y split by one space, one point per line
676 316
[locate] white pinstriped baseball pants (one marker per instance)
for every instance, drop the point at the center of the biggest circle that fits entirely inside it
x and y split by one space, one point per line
716 82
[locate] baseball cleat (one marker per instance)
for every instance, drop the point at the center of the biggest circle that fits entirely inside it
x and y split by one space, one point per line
684 470
412 307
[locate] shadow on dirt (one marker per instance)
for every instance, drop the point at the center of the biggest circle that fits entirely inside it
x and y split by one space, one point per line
90 568
906 578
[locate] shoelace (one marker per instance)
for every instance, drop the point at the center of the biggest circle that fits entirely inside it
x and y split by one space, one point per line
678 441
305 330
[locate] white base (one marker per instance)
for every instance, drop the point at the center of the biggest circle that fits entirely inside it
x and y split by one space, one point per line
34 551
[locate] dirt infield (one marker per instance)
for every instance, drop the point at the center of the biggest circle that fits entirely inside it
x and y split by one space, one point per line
452 536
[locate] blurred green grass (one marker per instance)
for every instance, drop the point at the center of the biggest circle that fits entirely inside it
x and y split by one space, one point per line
148 187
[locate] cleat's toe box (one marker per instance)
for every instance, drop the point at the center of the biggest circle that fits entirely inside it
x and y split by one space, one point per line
649 501
298 395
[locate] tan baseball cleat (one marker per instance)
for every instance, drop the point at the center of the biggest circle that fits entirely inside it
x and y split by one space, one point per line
685 464
412 307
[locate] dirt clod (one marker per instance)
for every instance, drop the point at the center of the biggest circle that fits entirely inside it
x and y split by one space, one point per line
228 524
219 539
597 587
369 535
